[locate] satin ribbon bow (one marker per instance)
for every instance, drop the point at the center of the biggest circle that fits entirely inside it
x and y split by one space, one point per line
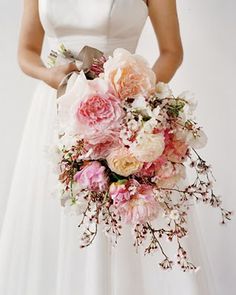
87 57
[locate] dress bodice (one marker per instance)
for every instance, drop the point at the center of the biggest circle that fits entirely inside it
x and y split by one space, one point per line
104 24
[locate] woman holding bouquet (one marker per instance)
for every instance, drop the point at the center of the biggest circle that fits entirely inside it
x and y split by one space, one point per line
39 245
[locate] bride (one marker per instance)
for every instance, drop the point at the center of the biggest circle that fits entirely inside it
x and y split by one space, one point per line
39 245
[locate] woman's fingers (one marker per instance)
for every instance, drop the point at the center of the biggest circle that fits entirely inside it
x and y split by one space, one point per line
70 67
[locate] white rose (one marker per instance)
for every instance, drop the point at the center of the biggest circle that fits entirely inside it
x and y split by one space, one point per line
148 147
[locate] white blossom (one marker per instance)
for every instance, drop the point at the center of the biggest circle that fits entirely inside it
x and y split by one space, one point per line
163 90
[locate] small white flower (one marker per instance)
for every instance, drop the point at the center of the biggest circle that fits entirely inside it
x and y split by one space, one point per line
149 125
191 101
86 155
163 90
125 135
132 189
156 112
191 189
139 103
66 141
75 209
174 214
133 125
197 142
160 196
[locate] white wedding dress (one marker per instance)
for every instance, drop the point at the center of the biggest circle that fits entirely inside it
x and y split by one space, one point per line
39 246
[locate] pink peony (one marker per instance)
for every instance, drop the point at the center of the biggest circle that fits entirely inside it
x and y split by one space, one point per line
92 177
102 145
141 207
89 107
99 109
119 192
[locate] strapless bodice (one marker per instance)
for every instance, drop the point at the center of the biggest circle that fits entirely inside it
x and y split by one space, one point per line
104 24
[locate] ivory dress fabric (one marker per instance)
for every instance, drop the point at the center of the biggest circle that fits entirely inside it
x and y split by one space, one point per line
39 245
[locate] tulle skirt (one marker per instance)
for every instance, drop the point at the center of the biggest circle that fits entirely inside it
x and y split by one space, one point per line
39 245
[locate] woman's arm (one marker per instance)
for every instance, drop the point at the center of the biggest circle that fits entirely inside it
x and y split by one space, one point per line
164 18
30 47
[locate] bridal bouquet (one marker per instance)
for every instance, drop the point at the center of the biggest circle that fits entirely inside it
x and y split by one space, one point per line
125 143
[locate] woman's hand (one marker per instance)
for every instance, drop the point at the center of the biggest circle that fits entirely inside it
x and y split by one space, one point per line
30 47
54 76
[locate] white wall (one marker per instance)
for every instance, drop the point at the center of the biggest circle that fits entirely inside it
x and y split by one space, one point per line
209 70
16 90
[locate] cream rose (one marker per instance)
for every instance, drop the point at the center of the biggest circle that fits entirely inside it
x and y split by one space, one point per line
148 147
122 162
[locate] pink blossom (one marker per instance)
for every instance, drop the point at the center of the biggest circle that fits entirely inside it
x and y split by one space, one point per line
92 177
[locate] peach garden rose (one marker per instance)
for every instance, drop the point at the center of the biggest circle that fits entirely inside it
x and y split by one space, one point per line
123 162
129 74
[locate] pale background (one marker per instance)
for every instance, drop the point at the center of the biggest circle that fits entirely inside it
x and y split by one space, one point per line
208 31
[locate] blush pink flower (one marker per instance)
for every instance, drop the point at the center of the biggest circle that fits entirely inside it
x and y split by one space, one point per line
176 149
102 144
141 207
92 177
150 168
119 192
170 174
98 110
